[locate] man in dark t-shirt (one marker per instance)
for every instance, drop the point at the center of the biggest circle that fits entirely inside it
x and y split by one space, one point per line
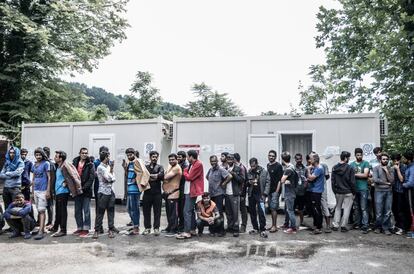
289 179
275 171
152 197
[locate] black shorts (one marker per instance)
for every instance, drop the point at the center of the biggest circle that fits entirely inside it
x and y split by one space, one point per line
300 202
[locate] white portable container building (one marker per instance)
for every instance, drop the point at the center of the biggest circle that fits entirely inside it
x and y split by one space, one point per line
118 135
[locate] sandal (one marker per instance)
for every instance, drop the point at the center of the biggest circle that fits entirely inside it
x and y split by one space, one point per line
183 236
111 234
133 232
273 229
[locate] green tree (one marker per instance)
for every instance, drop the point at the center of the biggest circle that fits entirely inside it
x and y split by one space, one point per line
99 96
169 110
40 40
100 113
211 103
369 64
144 99
77 115
269 113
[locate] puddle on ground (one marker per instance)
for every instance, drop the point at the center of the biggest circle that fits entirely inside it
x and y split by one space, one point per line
101 251
239 250
276 251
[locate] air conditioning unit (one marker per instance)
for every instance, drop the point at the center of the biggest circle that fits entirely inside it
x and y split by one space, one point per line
168 131
383 127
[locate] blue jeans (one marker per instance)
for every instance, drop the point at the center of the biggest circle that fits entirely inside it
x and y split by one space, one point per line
83 212
189 214
383 205
290 218
361 209
133 208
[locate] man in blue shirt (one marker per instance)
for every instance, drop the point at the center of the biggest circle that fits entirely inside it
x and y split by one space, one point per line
133 191
62 196
12 175
316 188
409 185
18 217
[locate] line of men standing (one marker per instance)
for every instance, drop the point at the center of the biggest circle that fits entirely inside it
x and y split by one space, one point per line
231 185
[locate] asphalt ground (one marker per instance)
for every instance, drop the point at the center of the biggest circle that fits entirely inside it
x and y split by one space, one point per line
350 252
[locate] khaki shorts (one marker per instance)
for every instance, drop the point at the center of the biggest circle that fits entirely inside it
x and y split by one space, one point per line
40 200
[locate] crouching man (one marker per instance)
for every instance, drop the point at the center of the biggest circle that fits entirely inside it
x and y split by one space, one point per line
18 218
208 215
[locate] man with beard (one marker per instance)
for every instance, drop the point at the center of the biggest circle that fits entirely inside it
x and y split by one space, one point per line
384 179
233 188
275 171
217 177
152 197
86 171
182 161
361 169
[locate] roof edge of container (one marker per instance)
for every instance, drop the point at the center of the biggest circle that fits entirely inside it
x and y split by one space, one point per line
280 117
98 123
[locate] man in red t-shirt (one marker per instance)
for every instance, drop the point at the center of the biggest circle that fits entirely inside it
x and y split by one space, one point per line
194 187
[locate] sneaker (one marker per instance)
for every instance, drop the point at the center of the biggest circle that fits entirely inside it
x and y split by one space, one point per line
377 231
398 231
95 235
193 233
84 233
387 232
111 234
263 234
77 232
344 229
39 236
327 230
156 232
115 230
284 227
59 234
253 231
14 234
410 235
27 235
52 229
146 231
290 231
242 229
170 234
334 228
316 232
165 230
